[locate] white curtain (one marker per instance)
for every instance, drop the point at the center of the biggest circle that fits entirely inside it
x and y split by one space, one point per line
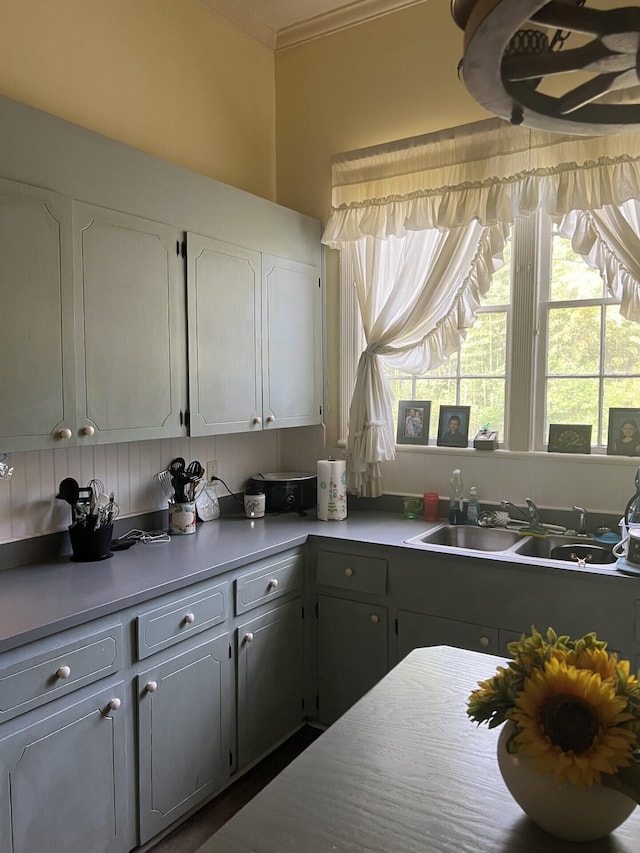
413 319
424 222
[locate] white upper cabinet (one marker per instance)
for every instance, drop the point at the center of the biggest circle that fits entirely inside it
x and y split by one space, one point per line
37 379
255 350
291 343
93 324
131 339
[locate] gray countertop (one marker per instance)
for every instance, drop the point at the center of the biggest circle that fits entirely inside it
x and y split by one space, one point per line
39 599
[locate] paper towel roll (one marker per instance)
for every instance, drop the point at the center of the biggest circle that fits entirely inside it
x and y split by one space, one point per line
332 489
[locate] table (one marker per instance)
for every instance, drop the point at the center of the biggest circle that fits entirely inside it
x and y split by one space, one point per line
403 771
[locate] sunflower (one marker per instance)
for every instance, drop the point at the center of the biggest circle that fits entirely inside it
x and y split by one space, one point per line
571 721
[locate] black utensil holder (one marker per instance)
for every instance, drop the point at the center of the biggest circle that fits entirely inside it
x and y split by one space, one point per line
90 545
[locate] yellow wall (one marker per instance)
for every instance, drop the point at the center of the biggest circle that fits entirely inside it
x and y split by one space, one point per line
386 79
169 77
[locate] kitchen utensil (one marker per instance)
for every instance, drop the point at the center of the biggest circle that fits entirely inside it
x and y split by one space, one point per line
69 491
164 478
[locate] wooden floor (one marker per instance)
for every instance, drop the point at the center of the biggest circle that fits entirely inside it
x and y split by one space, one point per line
192 834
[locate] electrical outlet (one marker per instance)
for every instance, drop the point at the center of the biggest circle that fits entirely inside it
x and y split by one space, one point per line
212 470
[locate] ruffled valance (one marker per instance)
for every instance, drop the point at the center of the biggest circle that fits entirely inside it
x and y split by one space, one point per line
557 191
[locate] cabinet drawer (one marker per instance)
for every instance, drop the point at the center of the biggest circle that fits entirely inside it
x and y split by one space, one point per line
348 571
180 617
273 579
42 671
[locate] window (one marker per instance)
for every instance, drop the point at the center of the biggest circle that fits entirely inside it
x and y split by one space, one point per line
549 346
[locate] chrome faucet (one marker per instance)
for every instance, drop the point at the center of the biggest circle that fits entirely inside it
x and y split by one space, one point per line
582 528
532 515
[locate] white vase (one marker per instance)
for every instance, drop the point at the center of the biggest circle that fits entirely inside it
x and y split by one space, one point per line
567 812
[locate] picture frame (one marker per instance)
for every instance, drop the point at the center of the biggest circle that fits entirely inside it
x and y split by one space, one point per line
413 422
453 426
624 432
569 438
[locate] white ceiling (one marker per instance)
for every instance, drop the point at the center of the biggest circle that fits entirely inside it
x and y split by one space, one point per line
283 23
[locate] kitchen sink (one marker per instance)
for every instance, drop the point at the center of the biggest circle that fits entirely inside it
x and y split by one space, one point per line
579 550
574 550
469 537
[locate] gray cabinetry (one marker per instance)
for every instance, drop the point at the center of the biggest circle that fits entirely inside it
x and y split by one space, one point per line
416 630
352 628
185 707
270 653
184 738
270 680
255 349
64 781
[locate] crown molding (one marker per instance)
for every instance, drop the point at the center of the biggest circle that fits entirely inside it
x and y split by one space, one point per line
340 19
245 18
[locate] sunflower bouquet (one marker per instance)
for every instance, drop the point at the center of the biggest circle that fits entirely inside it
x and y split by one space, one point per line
575 709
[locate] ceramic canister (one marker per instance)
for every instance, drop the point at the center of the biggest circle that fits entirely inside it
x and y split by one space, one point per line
182 518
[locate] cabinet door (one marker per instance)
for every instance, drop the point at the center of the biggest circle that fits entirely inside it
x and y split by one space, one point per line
292 343
225 383
352 653
270 693
416 630
184 732
132 334
37 382
63 780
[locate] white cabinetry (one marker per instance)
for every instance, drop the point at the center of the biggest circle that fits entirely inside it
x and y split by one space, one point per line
255 348
93 324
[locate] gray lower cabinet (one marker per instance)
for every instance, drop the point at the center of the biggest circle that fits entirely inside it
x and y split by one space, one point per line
184 723
416 630
352 653
63 779
270 679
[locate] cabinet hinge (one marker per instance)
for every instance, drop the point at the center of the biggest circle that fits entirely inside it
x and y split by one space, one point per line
316 609
230 651
302 703
187 418
303 612
230 759
319 283
396 627
317 701
178 248
181 248
320 408
181 418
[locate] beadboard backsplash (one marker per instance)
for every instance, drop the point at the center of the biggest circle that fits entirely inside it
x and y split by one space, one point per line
28 506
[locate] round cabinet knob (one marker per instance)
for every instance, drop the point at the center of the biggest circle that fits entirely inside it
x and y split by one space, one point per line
248 638
151 686
348 572
484 642
257 421
65 433
271 419
374 618
64 672
114 704
273 583
88 430
190 618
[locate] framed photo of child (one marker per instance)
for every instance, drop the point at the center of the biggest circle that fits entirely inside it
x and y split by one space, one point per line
413 422
453 427
624 432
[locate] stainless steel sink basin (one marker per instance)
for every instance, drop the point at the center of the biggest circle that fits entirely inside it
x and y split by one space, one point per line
567 549
498 540
469 537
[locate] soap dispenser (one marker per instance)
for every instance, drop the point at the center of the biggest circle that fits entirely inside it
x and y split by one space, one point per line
473 506
456 498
